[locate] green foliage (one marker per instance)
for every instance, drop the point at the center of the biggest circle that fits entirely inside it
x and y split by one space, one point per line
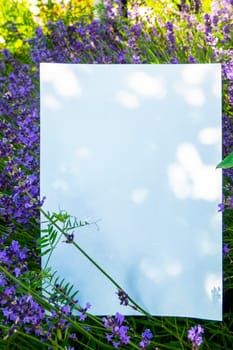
173 6
227 162
68 12
64 294
18 22
16 25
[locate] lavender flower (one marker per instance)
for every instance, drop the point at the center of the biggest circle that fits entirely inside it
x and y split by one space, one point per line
195 5
146 336
20 311
208 22
174 60
170 37
195 335
191 59
221 207
69 238
183 7
123 297
118 334
83 311
226 249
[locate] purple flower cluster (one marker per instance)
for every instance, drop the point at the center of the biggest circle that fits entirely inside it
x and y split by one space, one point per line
170 35
118 333
18 310
60 297
208 24
13 258
227 125
221 207
19 130
69 238
226 249
123 297
22 312
196 5
195 335
83 311
146 337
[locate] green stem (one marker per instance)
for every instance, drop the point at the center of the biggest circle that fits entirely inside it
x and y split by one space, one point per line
33 339
51 251
95 264
49 307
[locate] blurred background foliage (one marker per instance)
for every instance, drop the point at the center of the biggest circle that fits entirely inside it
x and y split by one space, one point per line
19 18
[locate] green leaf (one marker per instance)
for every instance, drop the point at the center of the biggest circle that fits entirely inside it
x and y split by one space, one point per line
74 295
59 335
43 245
42 240
227 162
53 237
46 252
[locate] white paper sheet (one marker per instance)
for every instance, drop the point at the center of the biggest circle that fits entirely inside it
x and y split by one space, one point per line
135 147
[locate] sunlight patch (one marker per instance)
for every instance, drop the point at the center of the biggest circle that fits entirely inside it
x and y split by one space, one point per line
52 102
194 97
173 269
195 74
139 195
60 185
83 153
127 99
189 177
210 136
153 273
208 247
147 86
62 78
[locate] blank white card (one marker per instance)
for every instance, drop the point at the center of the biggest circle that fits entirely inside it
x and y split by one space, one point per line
134 148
